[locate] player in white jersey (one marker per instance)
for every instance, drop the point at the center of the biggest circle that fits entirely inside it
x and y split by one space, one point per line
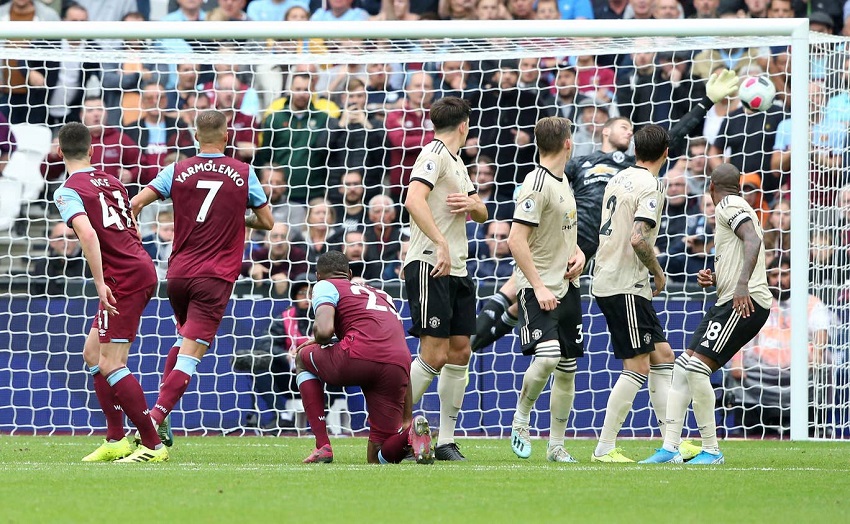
742 308
544 243
631 215
440 292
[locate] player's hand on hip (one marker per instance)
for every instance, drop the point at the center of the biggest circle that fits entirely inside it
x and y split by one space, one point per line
660 283
107 299
444 262
546 299
575 266
295 351
460 203
705 278
742 303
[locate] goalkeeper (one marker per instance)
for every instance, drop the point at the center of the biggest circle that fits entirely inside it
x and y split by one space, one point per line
589 176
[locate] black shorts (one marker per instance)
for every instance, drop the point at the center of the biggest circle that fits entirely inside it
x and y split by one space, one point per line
439 307
633 324
562 325
723 331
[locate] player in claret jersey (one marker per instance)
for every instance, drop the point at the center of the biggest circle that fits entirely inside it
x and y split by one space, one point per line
210 193
96 205
371 353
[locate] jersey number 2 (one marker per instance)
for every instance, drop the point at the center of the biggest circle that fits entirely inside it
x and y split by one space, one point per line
612 205
371 301
110 216
212 187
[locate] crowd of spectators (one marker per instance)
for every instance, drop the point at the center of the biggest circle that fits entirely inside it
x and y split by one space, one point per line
334 145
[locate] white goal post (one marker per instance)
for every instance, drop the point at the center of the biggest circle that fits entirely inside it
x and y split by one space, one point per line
496 40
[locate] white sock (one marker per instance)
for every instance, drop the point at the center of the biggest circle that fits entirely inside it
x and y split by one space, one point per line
619 405
451 387
421 376
700 384
660 379
677 404
561 400
533 382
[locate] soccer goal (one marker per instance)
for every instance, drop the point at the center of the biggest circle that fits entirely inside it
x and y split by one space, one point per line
337 110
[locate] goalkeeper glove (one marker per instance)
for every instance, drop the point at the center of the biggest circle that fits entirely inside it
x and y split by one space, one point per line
720 86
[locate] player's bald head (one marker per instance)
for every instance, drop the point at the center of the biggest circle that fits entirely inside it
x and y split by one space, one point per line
332 264
211 126
727 178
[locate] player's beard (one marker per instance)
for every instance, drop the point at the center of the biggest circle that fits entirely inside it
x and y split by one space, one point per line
780 294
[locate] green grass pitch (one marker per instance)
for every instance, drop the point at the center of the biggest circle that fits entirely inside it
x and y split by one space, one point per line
255 479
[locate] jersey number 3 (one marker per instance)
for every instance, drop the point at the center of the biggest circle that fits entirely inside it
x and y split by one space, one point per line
612 206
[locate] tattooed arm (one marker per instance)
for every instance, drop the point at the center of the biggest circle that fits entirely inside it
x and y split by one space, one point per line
645 252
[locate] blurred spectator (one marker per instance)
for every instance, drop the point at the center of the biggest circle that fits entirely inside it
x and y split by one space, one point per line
658 90
351 212
521 9
752 193
780 9
158 244
455 80
270 10
380 95
339 11
382 237
393 270
273 179
354 248
483 175
593 80
112 150
568 98
669 10
63 264
756 8
189 11
494 263
408 129
763 367
680 211
530 78
457 10
188 85
355 140
158 135
111 11
740 60
320 233
573 9
828 267
25 84
277 262
7 142
695 166
491 10
777 232
229 11
706 8
638 10
296 136
609 9
68 83
589 122
27 11
699 243
242 136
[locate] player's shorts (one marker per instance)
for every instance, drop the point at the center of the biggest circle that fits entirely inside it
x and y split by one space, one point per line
562 326
384 385
633 324
199 305
123 326
723 331
439 307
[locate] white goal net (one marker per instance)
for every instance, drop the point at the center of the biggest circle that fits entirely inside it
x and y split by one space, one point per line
332 126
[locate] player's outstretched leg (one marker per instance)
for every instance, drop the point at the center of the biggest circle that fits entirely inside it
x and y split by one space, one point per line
699 374
497 318
533 382
560 405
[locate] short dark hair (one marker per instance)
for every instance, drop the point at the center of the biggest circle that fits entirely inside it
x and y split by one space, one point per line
210 124
449 112
332 262
780 261
550 134
650 143
611 121
75 141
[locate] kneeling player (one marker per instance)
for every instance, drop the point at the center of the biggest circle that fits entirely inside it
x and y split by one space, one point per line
742 308
371 353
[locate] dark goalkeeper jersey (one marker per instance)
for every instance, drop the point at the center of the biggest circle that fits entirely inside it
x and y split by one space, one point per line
588 176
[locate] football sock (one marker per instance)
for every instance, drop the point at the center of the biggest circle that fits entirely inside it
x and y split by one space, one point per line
450 388
561 400
395 448
421 376
129 393
677 404
173 387
704 400
171 360
660 378
533 382
313 399
109 405
493 322
619 404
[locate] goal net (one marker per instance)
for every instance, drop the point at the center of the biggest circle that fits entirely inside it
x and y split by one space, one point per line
332 126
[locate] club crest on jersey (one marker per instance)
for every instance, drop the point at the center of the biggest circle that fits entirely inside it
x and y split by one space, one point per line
430 166
536 334
618 157
434 322
527 205
61 203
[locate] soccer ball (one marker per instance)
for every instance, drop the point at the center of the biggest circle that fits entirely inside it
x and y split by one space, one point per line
757 93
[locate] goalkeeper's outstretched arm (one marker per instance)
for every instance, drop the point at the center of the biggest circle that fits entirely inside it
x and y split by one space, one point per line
718 87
